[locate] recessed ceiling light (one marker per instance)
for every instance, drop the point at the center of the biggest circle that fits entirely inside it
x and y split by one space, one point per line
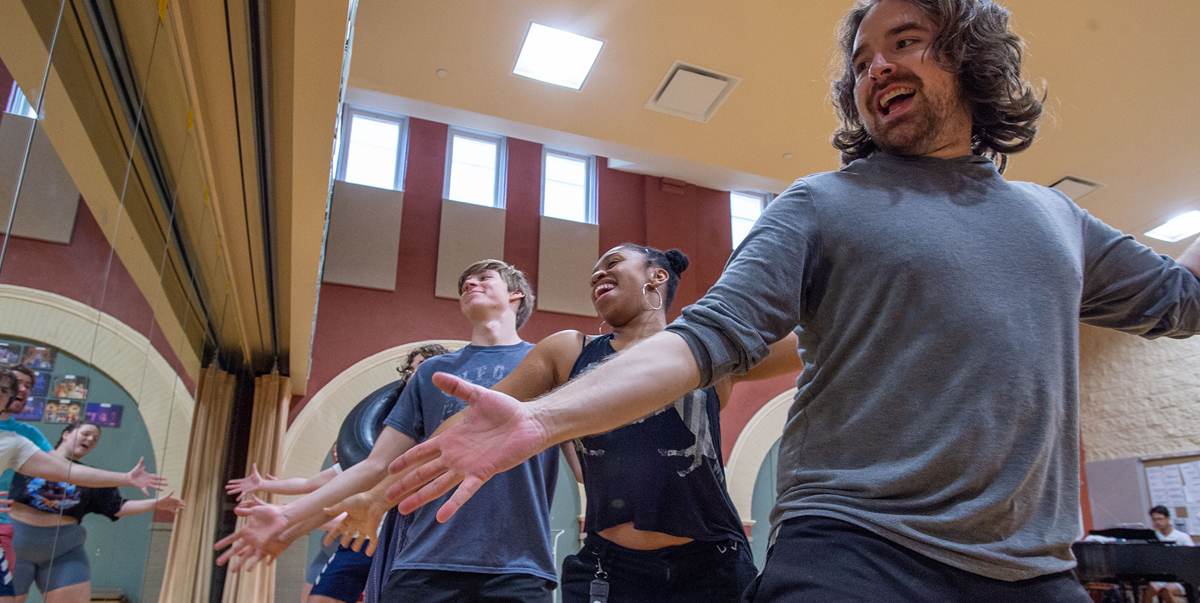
556 57
1178 228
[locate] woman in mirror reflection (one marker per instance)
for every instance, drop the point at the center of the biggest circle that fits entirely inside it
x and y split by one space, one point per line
46 511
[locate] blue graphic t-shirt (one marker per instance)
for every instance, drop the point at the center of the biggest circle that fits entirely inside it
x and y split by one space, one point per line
28 432
506 527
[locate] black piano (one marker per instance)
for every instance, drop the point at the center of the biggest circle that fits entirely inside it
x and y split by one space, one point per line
1132 564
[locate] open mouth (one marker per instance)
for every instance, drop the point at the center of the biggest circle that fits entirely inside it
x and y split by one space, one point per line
895 99
603 288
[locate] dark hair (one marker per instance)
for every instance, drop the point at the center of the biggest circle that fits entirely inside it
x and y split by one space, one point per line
72 426
7 373
426 351
1161 510
515 279
974 42
20 368
672 260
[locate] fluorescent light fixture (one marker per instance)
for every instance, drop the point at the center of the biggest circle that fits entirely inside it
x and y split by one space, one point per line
1178 228
556 57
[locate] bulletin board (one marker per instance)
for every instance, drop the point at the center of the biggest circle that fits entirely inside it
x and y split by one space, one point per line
1174 482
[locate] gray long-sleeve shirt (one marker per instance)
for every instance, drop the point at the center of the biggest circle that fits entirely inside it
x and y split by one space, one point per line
940 308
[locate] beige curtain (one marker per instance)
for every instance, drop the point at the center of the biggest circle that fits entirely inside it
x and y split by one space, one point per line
272 396
190 557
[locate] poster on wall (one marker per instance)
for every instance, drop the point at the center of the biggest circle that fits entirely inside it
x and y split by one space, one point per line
105 415
74 387
10 353
39 358
62 411
41 384
32 411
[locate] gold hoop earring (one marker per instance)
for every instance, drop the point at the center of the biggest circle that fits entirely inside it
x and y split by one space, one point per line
647 297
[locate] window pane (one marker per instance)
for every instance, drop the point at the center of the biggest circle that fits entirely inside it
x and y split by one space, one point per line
741 228
472 184
472 171
745 206
566 201
473 151
565 190
566 169
373 152
18 104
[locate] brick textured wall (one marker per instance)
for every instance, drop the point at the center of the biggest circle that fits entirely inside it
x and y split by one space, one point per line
1138 397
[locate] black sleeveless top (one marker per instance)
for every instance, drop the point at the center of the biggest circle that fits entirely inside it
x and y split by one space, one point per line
662 472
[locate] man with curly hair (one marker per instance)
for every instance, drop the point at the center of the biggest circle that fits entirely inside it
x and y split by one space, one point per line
932 453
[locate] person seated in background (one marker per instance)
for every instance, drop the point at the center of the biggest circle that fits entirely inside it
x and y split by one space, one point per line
1167 592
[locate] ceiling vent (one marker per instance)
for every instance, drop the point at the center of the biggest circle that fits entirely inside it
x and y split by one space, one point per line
1075 188
692 92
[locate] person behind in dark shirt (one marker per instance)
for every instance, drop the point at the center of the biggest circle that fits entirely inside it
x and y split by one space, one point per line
47 537
932 451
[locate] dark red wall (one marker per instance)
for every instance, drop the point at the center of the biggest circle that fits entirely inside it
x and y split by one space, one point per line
353 323
81 271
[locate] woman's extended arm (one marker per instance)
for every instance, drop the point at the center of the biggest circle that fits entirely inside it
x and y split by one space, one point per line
53 467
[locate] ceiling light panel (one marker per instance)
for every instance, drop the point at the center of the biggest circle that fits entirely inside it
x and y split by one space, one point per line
556 57
1178 228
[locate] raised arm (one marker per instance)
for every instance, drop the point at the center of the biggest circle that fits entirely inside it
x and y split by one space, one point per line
55 468
255 482
632 384
169 502
271 528
1191 257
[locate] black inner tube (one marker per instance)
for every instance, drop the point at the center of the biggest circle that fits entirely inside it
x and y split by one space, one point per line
357 435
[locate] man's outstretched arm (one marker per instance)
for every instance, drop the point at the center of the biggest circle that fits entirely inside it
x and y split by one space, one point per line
500 433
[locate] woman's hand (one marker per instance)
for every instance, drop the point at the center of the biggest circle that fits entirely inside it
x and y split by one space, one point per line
364 513
143 480
170 503
246 485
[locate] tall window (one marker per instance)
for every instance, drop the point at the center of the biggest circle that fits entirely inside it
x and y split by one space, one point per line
372 148
745 209
18 104
568 192
473 171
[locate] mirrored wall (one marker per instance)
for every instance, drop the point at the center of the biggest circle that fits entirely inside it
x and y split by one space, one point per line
113 284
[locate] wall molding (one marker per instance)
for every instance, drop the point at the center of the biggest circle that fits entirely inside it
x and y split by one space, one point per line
117 350
751 449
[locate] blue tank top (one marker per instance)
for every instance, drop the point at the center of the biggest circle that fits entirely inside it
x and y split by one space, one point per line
663 472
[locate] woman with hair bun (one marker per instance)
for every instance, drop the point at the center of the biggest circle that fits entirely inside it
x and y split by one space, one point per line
660 524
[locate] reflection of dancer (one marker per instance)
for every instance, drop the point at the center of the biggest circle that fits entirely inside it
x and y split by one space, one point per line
24 383
19 453
500 552
47 537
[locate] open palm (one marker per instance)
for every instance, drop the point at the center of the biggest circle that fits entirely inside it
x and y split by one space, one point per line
497 434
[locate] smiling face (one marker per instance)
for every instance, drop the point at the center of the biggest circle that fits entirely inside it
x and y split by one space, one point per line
907 102
80 441
487 292
619 282
21 388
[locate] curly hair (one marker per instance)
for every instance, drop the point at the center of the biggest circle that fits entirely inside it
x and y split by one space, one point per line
974 42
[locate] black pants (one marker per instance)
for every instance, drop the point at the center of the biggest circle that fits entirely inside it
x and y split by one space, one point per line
436 586
815 559
697 572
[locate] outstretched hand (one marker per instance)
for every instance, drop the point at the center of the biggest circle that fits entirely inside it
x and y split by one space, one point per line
246 485
360 524
261 539
498 434
143 480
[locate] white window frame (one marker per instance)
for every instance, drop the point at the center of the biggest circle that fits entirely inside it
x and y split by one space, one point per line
764 198
348 113
590 196
501 161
